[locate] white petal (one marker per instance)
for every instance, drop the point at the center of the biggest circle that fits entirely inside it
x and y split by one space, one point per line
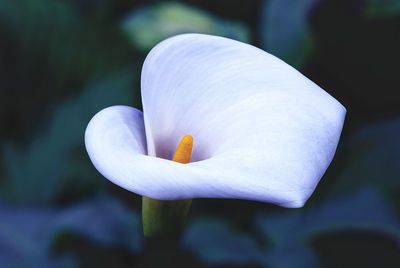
262 130
112 132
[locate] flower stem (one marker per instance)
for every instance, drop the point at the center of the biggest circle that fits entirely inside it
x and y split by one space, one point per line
164 218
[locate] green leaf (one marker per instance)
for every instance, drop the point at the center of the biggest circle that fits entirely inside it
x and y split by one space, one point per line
382 8
216 243
50 50
38 172
145 27
371 157
293 231
284 29
28 233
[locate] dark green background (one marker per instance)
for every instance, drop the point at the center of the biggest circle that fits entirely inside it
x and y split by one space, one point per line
61 61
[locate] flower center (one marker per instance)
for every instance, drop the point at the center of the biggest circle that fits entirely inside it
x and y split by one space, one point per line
184 150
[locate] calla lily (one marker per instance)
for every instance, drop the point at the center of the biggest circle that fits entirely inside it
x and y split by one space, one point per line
261 130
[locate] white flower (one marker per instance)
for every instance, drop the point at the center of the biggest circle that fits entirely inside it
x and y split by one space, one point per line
261 130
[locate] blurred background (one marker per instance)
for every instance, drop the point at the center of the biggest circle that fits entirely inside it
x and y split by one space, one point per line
61 61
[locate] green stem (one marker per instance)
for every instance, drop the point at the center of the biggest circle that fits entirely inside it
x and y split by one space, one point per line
164 218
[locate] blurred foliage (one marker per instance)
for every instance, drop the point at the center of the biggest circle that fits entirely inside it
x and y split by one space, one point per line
50 50
30 236
290 233
147 26
293 231
382 8
38 172
63 61
374 152
355 58
284 29
217 243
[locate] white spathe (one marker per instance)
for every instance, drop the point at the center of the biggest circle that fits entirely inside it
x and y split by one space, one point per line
262 131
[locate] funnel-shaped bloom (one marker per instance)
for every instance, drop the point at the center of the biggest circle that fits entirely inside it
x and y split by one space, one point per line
261 130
